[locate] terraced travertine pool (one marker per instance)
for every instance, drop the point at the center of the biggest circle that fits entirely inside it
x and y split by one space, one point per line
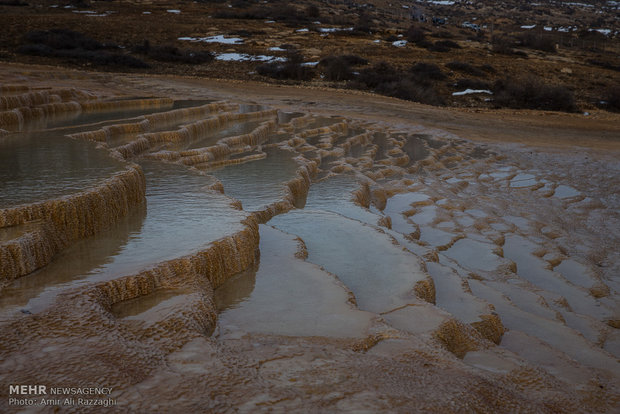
39 166
282 260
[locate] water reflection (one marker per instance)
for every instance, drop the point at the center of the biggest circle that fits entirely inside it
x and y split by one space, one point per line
180 217
37 166
259 183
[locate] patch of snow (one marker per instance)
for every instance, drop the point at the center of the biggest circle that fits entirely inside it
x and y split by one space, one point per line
439 2
242 57
147 12
606 32
309 63
470 91
277 49
334 29
302 30
173 11
547 28
471 25
84 11
578 4
399 43
215 39
270 21
531 26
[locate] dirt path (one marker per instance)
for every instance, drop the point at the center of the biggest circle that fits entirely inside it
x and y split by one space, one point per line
597 131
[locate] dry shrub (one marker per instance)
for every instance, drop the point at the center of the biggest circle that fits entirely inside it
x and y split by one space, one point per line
424 72
505 46
538 41
472 84
612 99
351 60
378 74
168 53
68 44
364 24
488 68
415 34
339 68
336 68
411 91
533 93
292 69
604 64
443 46
465 68
414 85
60 39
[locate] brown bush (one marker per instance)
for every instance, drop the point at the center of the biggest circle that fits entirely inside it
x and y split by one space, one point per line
533 93
503 45
378 74
612 99
415 34
168 53
339 68
538 41
413 85
423 71
77 47
412 91
292 69
465 68
472 84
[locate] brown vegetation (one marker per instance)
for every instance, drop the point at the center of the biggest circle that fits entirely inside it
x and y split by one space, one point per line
485 41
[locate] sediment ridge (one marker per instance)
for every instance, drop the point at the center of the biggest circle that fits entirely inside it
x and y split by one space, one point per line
35 109
62 221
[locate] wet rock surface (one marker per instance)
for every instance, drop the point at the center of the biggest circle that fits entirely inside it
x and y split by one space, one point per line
246 258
